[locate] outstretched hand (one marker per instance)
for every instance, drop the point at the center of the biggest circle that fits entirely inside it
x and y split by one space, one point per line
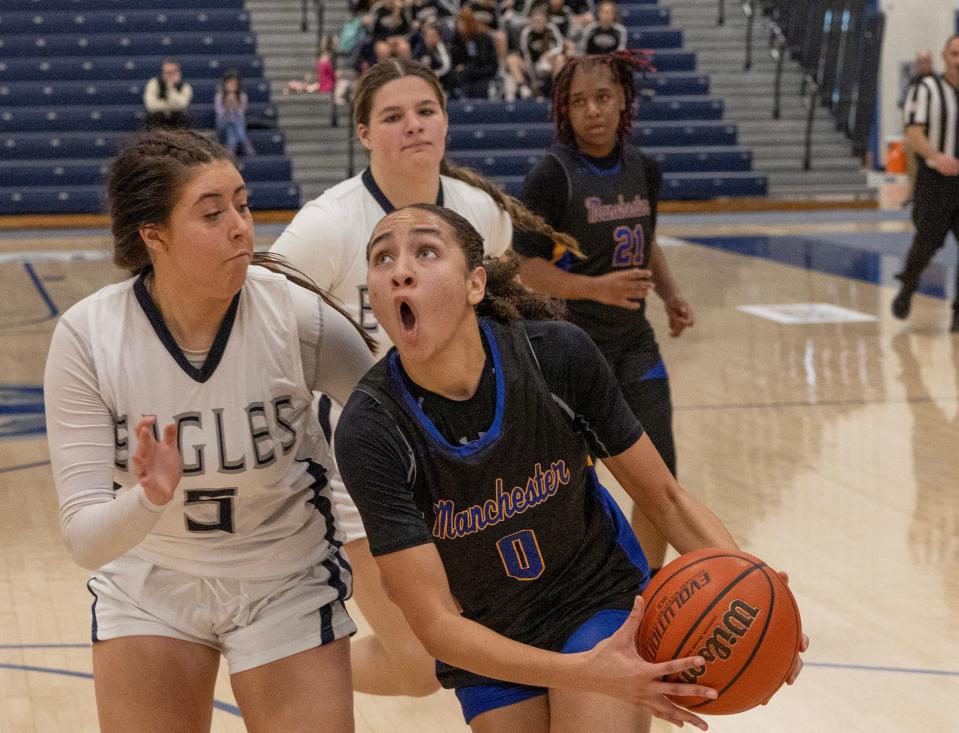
680 314
157 464
616 668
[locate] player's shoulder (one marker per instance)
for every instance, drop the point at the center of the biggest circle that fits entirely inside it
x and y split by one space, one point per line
559 338
460 192
110 298
335 205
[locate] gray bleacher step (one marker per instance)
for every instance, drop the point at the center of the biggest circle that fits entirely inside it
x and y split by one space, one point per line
823 192
820 164
816 177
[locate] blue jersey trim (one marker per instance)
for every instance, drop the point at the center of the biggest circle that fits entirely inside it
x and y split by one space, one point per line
658 371
376 192
625 537
491 435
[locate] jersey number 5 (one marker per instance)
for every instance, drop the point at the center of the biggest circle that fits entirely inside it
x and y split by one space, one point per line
223 498
630 246
521 556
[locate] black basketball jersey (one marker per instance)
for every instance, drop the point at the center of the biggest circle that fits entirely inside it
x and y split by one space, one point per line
609 212
528 538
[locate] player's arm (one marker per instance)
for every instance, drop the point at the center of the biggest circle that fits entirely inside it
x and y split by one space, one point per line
97 524
685 522
613 667
679 311
312 242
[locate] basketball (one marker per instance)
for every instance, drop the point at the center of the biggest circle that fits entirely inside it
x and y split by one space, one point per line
734 611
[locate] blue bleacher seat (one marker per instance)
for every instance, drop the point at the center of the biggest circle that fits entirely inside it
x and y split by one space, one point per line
120 117
126 21
494 112
47 146
42 6
643 14
92 172
676 83
540 135
654 38
140 68
500 163
89 199
100 93
685 186
121 44
672 60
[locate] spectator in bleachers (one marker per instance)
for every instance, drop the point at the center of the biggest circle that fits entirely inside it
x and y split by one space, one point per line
424 12
474 57
531 68
432 53
607 34
167 98
400 47
487 15
229 108
388 18
371 53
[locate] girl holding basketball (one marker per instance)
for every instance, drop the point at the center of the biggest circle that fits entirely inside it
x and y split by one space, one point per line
400 113
608 204
467 450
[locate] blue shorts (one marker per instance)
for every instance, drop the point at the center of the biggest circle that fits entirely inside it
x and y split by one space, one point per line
477 699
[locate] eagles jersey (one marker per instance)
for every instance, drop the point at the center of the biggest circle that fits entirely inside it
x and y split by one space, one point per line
531 544
253 501
328 236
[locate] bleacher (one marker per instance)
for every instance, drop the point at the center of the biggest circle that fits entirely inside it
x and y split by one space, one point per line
72 74
679 123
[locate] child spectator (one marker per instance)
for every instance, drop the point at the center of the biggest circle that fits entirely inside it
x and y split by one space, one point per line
229 106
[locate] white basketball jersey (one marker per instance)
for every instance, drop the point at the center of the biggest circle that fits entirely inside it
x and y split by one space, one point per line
328 236
253 501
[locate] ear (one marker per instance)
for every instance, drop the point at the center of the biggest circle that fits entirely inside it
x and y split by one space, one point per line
152 237
476 285
363 135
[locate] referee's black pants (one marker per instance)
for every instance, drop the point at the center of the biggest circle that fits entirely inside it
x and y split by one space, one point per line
935 213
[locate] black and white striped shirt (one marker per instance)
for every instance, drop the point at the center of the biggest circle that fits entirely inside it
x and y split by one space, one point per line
934 103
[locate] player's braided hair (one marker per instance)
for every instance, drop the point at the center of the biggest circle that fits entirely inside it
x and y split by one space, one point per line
622 65
392 69
144 185
505 299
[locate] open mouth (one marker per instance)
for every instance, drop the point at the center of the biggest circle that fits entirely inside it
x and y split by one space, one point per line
407 316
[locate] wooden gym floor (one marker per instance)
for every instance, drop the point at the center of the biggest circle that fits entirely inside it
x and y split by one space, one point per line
829 448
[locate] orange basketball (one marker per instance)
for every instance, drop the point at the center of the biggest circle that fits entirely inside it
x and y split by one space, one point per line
734 611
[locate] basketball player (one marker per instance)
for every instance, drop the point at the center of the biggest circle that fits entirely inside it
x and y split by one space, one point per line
608 204
190 469
467 449
400 114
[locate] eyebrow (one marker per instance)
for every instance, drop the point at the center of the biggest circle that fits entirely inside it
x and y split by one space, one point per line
416 230
217 194
397 108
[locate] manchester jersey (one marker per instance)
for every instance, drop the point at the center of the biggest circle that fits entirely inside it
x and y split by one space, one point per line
328 236
531 544
611 213
253 501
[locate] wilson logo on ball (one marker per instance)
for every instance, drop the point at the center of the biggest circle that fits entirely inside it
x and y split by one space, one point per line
719 646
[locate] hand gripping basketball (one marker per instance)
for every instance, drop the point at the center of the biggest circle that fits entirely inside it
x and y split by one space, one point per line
157 464
616 668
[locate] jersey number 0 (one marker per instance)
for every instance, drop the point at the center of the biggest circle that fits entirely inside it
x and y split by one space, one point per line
521 556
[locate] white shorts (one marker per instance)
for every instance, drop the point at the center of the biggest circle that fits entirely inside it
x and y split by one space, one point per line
251 622
345 513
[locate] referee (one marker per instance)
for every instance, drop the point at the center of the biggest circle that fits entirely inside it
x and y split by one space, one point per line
932 133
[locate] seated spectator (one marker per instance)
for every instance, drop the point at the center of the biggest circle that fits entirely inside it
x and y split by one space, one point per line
430 51
229 106
607 34
371 53
538 59
167 97
474 57
400 47
325 78
425 12
487 15
388 18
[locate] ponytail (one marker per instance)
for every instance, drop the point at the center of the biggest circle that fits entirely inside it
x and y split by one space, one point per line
522 217
507 300
279 264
